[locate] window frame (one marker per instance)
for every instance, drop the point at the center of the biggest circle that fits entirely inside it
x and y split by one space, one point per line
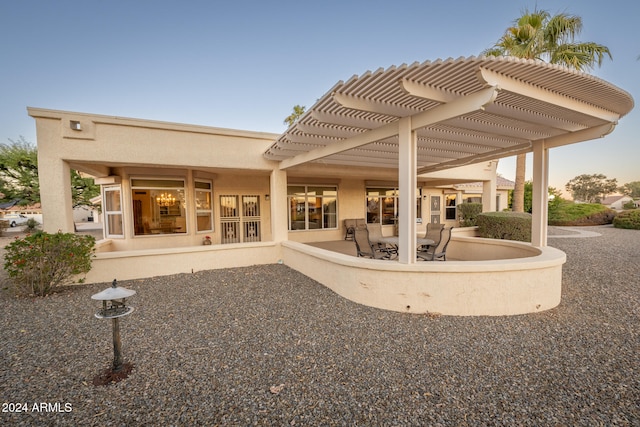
108 213
395 195
211 203
146 181
448 208
323 215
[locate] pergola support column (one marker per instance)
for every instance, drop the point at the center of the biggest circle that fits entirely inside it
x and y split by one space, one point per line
540 215
407 181
278 201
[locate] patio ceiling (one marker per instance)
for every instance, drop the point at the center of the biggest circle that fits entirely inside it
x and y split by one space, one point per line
462 110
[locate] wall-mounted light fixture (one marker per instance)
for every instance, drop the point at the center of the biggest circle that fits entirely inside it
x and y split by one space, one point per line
267 197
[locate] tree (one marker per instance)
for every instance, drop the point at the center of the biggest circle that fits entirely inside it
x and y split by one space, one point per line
19 172
631 189
19 176
554 197
591 188
83 189
540 35
293 117
519 186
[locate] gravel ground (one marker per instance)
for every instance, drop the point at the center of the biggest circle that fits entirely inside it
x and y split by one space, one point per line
267 346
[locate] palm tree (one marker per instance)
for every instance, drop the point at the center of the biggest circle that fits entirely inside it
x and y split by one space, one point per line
293 117
540 35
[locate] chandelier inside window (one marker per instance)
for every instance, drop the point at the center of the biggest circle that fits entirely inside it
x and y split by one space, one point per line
165 200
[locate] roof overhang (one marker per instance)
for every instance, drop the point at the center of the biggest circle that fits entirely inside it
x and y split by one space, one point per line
462 111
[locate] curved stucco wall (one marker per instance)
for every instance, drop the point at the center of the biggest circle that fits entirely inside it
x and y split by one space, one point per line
527 284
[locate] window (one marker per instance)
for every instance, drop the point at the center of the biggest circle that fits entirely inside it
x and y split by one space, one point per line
382 205
204 206
450 211
158 206
113 211
312 207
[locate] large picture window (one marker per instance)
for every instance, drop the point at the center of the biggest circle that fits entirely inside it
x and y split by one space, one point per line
312 207
158 206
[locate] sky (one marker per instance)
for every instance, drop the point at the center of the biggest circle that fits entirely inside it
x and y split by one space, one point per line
244 64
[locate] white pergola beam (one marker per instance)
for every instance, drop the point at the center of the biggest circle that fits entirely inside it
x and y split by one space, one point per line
338 119
426 91
460 106
362 104
579 136
463 105
516 86
490 155
364 138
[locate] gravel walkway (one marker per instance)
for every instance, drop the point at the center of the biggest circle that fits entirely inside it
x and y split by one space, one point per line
267 346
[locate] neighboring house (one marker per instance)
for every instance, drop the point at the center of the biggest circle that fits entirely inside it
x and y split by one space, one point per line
472 192
30 211
617 202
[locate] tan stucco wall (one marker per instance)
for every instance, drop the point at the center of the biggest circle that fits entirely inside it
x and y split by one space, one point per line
126 265
109 145
463 288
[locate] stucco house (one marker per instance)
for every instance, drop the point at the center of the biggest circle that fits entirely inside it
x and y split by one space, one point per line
385 146
617 202
471 192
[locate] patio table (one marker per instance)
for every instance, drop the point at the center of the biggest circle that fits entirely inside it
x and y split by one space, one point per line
394 240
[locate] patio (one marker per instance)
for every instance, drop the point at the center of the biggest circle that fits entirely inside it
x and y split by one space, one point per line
232 336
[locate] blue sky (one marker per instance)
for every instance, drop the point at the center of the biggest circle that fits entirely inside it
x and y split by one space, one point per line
244 64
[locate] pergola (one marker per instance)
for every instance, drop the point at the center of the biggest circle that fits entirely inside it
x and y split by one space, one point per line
431 116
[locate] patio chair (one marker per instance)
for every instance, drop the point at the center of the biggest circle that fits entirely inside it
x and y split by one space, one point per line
349 226
364 247
432 233
437 252
375 233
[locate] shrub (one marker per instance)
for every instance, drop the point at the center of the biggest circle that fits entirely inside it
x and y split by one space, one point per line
468 213
505 225
40 262
32 225
628 219
581 214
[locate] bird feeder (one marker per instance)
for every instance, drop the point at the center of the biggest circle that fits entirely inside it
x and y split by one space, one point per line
114 307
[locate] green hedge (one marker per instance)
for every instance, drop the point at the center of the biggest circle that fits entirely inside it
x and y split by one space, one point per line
468 213
628 219
572 214
505 225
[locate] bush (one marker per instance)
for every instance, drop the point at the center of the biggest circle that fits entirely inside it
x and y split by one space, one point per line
468 213
505 225
572 214
32 225
628 219
40 262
